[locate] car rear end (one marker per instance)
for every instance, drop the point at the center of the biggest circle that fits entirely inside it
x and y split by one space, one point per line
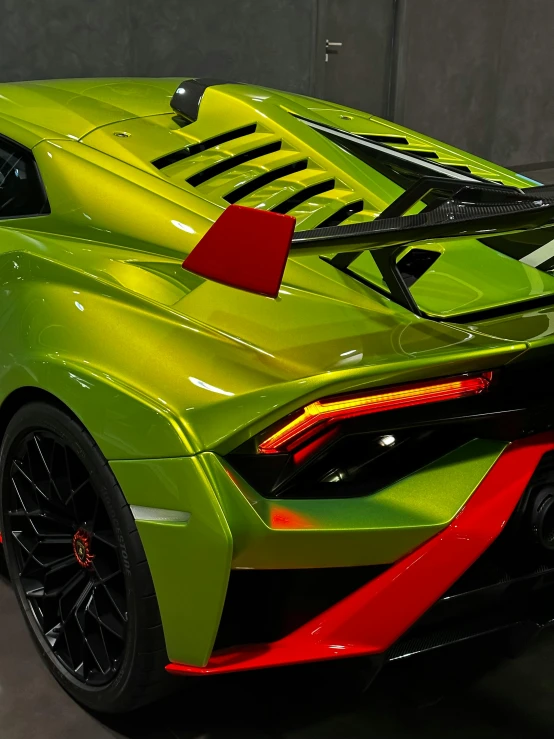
391 522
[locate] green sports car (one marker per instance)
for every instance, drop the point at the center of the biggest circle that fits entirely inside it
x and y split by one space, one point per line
276 384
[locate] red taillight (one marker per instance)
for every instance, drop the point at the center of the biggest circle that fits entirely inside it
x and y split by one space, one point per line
322 413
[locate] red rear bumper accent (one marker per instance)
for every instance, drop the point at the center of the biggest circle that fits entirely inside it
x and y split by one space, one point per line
371 619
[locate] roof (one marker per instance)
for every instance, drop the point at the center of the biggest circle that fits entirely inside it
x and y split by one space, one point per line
73 108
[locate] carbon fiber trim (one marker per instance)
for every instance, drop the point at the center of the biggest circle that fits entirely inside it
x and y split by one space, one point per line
451 218
472 210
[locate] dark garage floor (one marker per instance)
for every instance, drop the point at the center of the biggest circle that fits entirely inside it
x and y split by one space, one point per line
465 691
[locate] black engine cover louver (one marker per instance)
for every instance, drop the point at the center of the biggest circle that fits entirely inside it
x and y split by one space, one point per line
193 149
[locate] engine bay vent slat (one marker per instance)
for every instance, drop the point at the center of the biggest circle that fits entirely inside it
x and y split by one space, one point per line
231 162
342 214
249 187
303 195
193 149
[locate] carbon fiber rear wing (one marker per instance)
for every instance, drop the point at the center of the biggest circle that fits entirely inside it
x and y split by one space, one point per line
248 248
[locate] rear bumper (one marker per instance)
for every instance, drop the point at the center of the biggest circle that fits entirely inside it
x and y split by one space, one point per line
374 617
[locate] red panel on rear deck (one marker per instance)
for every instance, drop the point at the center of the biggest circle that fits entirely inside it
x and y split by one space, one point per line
246 248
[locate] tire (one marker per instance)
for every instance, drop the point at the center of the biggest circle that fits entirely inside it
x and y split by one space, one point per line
78 568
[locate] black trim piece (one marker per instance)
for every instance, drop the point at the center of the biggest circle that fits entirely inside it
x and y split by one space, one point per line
188 96
383 138
415 264
399 294
342 214
387 264
368 466
249 187
262 606
193 149
425 154
459 168
300 197
226 164
415 194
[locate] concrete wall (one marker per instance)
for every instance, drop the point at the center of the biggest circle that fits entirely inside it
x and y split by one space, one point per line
476 73
261 41
479 74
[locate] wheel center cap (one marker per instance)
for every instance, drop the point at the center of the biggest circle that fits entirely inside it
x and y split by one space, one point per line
81 548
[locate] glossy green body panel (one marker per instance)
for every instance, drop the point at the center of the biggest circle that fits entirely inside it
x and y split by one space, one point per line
232 526
190 562
377 529
72 108
170 372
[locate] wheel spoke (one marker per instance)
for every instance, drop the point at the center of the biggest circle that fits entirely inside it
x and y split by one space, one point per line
108 623
116 608
60 568
92 641
29 553
47 467
74 650
107 538
101 646
32 483
49 520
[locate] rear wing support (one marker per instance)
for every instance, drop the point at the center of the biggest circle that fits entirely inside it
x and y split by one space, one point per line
248 248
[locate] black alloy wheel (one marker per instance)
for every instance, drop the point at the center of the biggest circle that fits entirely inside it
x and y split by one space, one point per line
67 557
77 563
